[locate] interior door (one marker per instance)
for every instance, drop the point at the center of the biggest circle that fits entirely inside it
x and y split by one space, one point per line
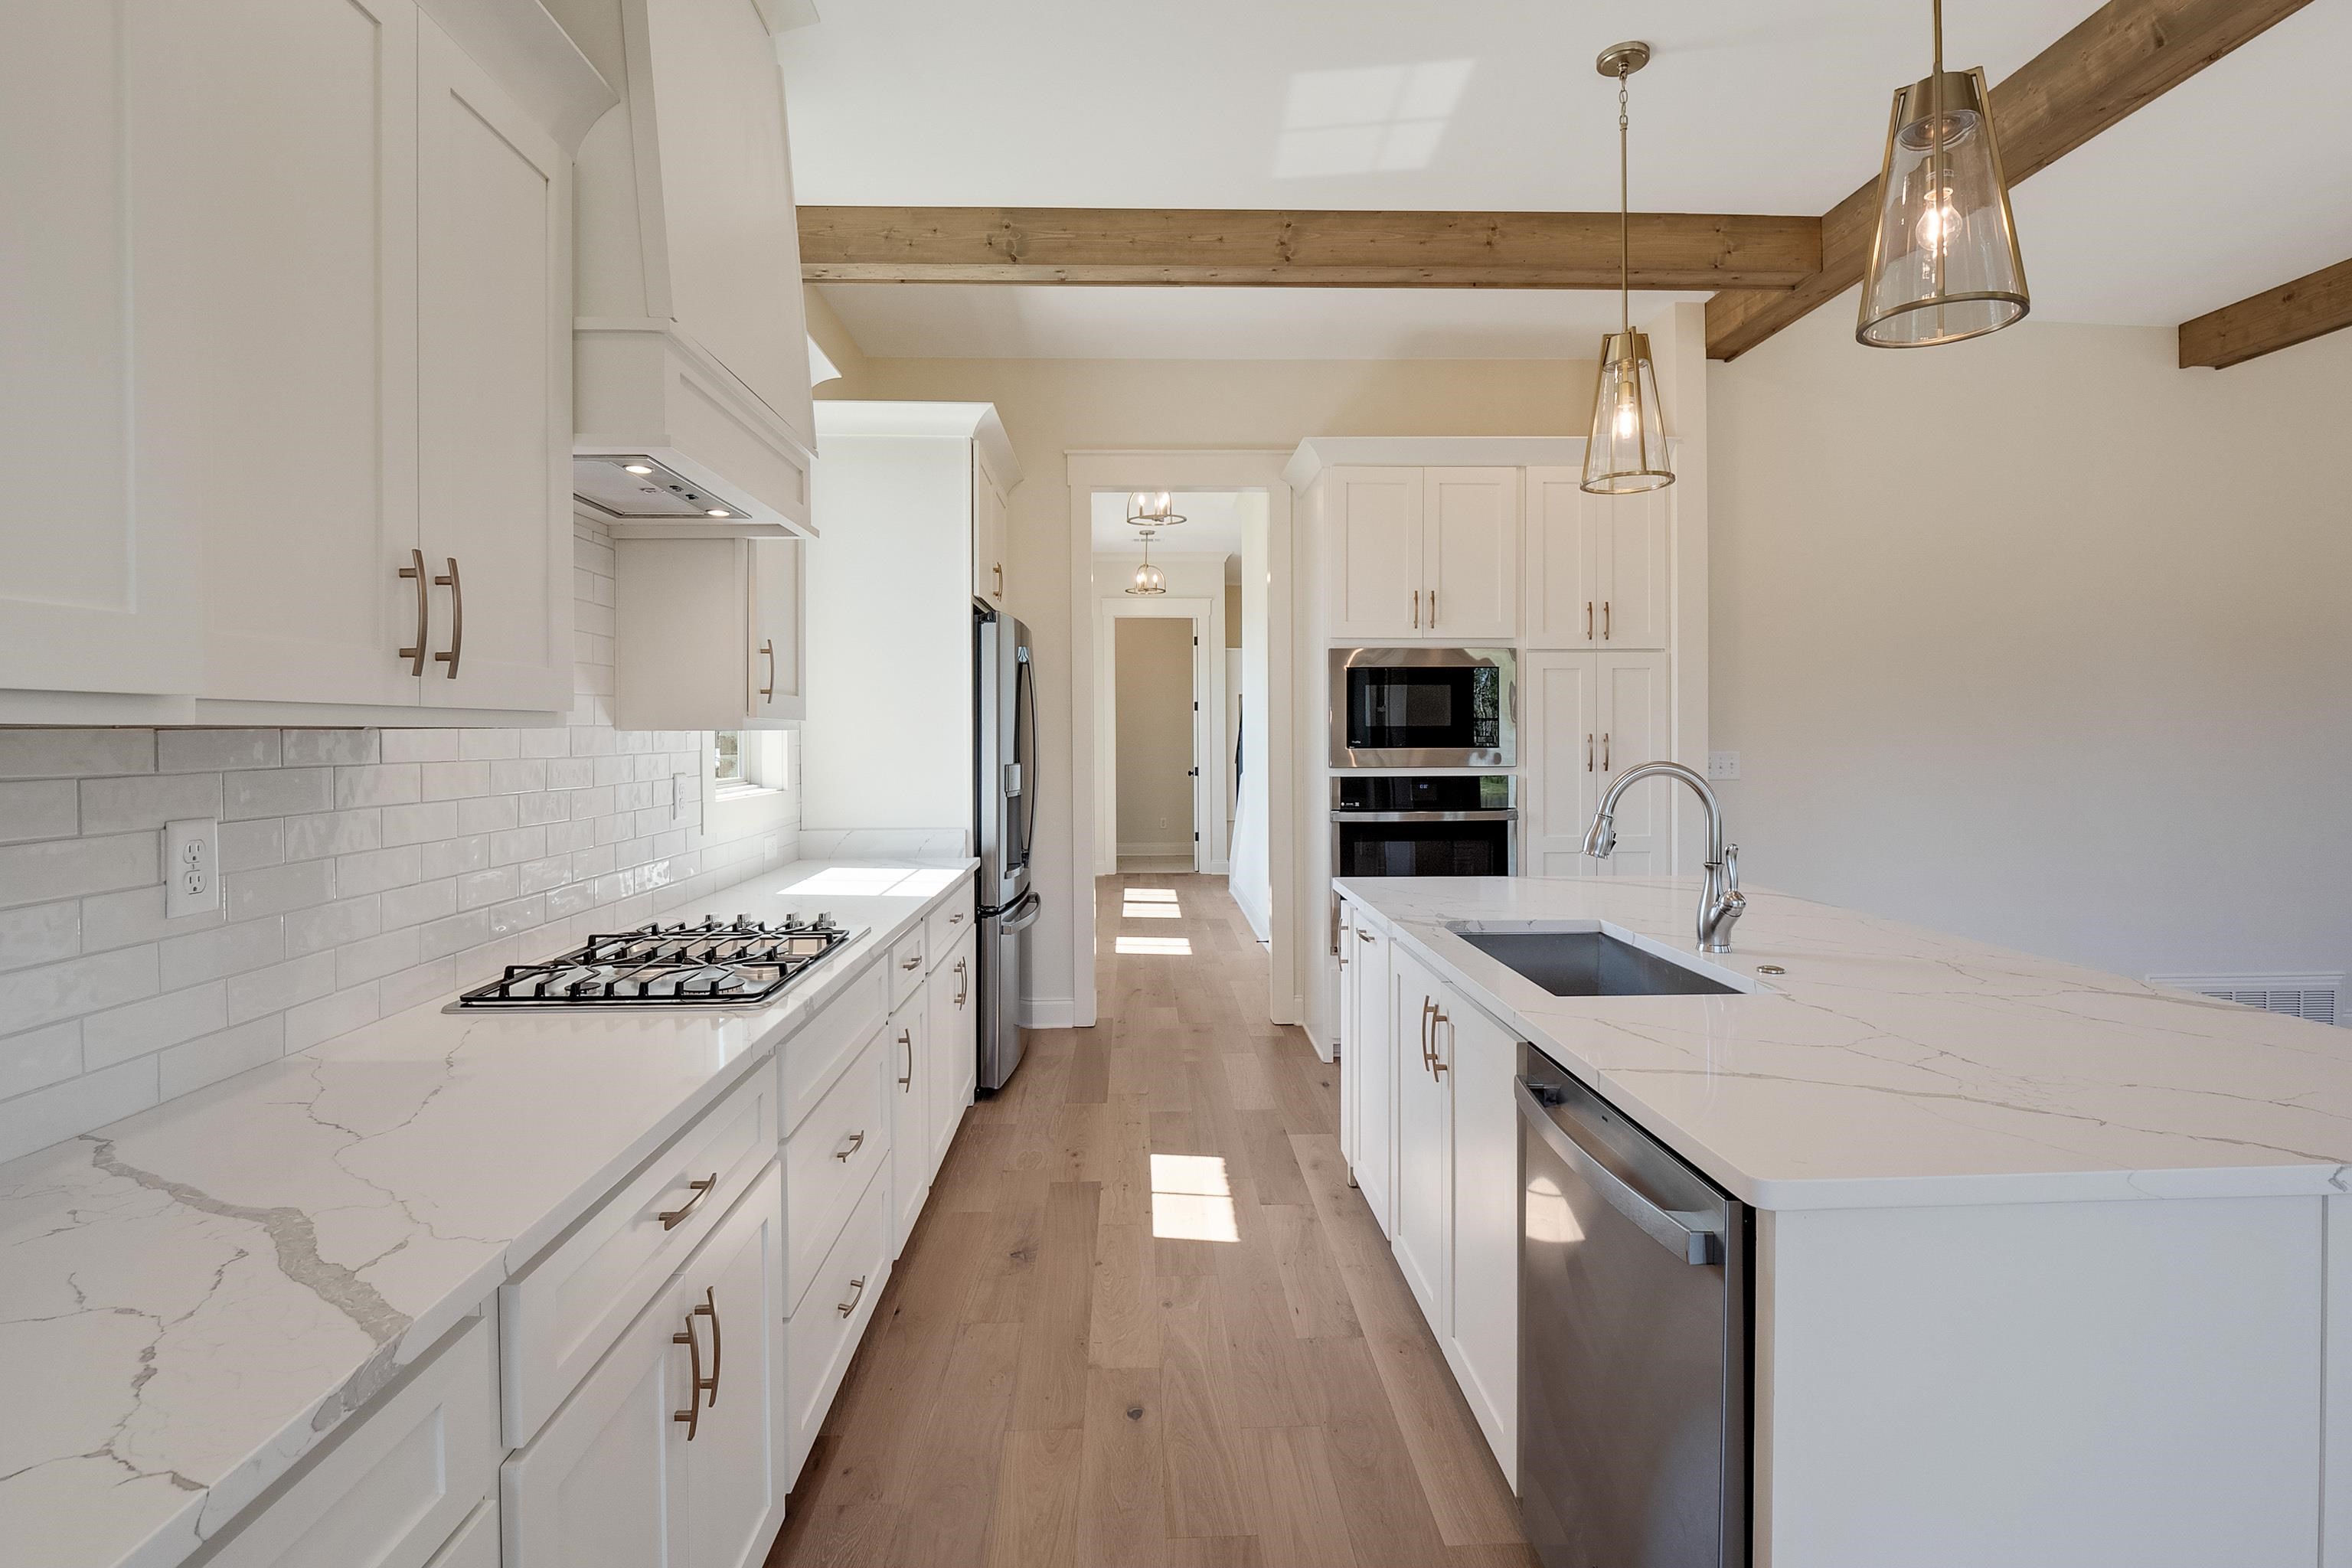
1424 1153
1563 605
1629 535
1375 1074
1470 551
1560 695
494 342
1636 729
1374 571
735 1480
275 162
778 690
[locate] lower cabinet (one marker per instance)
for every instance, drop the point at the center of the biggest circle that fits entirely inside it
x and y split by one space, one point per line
1421 1233
1481 1340
907 1051
646 1466
1368 1068
476 1544
832 1318
952 1011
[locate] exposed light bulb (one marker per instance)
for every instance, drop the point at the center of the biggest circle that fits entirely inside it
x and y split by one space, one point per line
1629 419
636 468
1939 225
719 511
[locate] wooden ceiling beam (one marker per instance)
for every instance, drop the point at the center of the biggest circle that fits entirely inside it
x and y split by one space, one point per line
2312 306
1318 249
2124 56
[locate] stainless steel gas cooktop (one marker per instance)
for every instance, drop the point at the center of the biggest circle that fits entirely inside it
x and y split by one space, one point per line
740 963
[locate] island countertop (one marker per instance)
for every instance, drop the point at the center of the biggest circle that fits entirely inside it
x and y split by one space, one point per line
1891 1066
193 1298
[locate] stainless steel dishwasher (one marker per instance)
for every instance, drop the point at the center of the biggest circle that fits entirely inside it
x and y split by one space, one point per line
1634 1342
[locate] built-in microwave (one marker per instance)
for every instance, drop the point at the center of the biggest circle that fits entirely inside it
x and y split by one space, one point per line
1424 708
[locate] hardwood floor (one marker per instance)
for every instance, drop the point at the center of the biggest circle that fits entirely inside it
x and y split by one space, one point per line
1070 1369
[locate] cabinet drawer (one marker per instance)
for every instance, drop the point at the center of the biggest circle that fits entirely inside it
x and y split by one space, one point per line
566 1308
905 966
829 1159
476 1544
821 1335
947 925
813 1056
398 1482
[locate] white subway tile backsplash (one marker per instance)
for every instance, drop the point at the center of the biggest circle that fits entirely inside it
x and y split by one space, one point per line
364 871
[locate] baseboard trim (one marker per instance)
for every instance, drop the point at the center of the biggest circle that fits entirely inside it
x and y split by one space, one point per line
1322 1047
1178 851
1049 1013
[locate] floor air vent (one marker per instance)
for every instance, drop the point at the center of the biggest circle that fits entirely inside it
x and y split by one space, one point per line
2311 996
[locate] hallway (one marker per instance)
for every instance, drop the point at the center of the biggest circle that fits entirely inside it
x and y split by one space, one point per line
1144 1318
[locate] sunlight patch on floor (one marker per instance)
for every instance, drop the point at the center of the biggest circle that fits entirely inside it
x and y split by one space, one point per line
1150 912
1192 1199
1150 895
1173 946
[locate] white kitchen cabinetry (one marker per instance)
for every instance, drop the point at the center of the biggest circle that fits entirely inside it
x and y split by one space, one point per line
646 1467
707 634
692 346
988 540
1423 1232
953 1019
1369 1065
1589 717
1597 568
1481 1339
1422 554
908 1056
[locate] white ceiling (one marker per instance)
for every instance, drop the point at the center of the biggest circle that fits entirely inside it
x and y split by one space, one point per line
1211 525
2234 182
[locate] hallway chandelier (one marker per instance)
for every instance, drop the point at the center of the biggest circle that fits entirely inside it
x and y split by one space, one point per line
1944 265
1152 509
1627 452
1150 580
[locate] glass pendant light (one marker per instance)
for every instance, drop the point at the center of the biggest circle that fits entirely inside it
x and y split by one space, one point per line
1152 509
1150 580
1944 264
1627 453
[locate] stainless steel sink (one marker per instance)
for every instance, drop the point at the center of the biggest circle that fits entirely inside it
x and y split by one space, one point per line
1590 963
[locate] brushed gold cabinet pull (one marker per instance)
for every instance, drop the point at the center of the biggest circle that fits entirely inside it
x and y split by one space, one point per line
415 656
999 570
1588 751
692 1414
956 919
856 1289
1604 752
856 1141
912 962
769 690
906 1038
457 619
1606 621
1588 620
1416 609
1436 1062
1428 1010
964 981
671 1217
709 1307
1363 935
1432 609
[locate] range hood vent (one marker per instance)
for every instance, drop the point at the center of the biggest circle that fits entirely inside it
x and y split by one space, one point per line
632 488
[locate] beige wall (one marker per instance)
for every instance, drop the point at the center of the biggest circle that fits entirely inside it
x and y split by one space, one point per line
1154 693
1052 407
1232 614
2041 639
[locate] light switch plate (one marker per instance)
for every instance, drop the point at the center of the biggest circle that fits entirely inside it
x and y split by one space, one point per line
1723 764
190 867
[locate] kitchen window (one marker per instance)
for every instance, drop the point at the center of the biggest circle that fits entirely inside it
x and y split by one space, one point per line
750 762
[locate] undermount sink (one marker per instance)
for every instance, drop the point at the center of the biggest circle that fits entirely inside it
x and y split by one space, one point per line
1589 963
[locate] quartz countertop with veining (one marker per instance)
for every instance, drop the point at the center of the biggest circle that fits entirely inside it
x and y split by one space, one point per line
192 1298
1893 1066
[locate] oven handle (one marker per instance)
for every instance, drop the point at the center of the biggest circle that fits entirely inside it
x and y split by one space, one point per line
1508 814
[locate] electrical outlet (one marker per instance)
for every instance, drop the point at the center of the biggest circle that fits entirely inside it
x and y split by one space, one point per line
190 867
684 797
1723 764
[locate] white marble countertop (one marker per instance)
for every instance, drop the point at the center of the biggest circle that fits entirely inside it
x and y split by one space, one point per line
192 1298
1893 1066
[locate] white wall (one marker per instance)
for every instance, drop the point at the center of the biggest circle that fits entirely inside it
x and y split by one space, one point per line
2041 639
364 871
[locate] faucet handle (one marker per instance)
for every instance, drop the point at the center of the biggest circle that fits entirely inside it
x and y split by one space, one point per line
1731 867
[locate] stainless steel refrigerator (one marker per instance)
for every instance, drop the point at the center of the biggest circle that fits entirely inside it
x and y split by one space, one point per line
1005 807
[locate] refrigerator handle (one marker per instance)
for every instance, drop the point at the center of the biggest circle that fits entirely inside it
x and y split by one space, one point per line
1021 915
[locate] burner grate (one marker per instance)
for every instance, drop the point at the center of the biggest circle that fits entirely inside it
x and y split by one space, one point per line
740 963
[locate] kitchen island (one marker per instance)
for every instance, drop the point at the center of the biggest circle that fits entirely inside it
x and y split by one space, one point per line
2050 1266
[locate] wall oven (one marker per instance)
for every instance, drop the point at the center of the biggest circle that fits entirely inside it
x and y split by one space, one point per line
1385 824
1424 708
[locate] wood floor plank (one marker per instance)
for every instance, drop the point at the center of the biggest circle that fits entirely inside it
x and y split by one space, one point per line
1217 1551
1124 1327
1006 1281
1121 1512
1349 1228
1274 1384
1273 1163
1089 1075
1458 1475
1300 1522
1199 1437
1311 1286
951 1487
1389 1516
1246 1081
1035 1523
1052 1390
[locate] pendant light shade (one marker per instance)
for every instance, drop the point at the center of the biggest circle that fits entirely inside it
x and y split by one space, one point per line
1627 452
1945 265
1150 581
1152 509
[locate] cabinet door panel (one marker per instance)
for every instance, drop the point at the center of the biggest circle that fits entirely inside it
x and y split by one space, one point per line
1374 563
1483 1337
954 1048
1424 1153
494 367
987 533
906 1061
1629 535
276 189
95 597
1374 1069
777 692
1634 711
734 1465
1563 592
1561 696
1471 567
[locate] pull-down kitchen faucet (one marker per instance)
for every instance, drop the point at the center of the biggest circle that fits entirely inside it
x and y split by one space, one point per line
1720 904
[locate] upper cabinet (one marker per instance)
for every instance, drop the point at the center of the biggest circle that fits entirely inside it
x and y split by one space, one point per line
707 634
342 281
988 529
693 352
1598 572
1422 554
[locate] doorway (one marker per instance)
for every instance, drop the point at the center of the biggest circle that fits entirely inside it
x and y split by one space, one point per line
1155 762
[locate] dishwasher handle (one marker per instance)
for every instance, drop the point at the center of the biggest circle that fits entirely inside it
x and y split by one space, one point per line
1670 1230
